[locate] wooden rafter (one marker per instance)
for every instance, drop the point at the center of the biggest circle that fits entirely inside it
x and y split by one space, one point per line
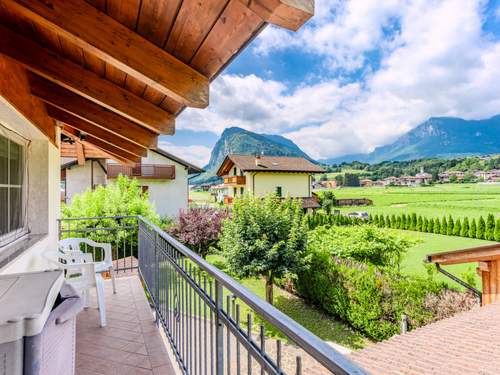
117 153
69 150
477 254
290 14
84 82
87 110
88 128
104 37
14 87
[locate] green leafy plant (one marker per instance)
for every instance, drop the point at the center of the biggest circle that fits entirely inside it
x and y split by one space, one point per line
264 237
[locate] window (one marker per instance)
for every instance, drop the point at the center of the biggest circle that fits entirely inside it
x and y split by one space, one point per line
11 190
235 191
242 191
234 172
279 191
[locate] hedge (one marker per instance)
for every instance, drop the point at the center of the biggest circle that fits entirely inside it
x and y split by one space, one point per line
488 229
373 301
317 219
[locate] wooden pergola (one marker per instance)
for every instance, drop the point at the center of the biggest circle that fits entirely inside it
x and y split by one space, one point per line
488 260
117 73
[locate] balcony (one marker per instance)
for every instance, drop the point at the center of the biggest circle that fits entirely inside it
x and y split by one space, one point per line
234 180
149 171
228 199
192 323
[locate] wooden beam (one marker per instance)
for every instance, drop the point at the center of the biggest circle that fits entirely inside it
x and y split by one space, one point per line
87 110
476 254
80 156
15 89
86 127
116 152
290 14
116 44
85 83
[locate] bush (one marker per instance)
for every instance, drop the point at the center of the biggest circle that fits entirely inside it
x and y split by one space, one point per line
465 228
489 233
497 230
473 229
364 243
481 226
264 237
199 228
370 300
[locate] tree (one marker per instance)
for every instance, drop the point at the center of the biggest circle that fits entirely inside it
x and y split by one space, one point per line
199 228
425 224
351 179
419 224
324 177
382 221
265 237
465 228
444 226
451 225
430 226
404 224
457 227
413 222
481 226
327 201
489 233
497 230
473 229
437 226
339 180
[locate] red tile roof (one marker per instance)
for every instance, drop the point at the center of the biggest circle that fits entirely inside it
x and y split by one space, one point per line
268 164
468 343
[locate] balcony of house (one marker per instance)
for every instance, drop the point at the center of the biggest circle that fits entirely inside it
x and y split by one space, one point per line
234 180
149 171
175 313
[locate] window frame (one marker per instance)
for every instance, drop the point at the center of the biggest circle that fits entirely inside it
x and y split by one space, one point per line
22 230
279 191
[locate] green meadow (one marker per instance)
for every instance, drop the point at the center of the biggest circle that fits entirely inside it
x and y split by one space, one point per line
458 200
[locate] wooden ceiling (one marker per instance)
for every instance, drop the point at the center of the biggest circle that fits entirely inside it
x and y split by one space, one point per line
120 71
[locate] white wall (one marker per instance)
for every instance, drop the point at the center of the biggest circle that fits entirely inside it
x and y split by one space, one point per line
43 197
293 184
79 178
168 196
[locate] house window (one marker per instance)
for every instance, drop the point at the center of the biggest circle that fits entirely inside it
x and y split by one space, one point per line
242 191
279 191
234 172
12 201
235 191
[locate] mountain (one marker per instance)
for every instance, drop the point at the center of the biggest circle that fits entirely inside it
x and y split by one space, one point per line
440 137
235 140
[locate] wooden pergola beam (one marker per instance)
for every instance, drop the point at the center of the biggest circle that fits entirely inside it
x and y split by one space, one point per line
88 128
476 254
106 38
290 14
117 153
84 82
87 110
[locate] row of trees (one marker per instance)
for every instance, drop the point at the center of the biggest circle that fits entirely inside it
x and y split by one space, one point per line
488 229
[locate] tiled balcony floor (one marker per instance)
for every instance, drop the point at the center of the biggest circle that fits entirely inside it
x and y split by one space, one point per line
129 344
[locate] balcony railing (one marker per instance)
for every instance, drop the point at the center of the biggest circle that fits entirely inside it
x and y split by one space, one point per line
200 308
234 180
156 171
228 199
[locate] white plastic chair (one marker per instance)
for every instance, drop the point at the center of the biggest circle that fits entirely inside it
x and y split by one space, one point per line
106 265
82 274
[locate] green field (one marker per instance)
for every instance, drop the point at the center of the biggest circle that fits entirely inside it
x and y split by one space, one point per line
201 197
413 263
458 200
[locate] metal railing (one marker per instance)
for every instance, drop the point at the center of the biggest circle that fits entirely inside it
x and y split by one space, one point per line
213 323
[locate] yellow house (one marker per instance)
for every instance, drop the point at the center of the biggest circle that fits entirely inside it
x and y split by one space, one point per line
263 175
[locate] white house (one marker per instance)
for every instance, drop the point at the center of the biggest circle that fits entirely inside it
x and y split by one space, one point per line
162 175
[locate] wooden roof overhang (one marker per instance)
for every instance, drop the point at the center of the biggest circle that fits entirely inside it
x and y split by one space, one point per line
488 259
120 71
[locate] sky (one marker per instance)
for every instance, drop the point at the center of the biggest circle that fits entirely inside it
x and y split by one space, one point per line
358 75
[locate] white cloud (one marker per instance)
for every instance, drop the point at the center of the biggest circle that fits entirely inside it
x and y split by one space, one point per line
196 154
437 63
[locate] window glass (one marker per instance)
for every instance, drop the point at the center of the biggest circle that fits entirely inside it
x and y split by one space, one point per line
4 225
16 208
16 163
279 192
4 161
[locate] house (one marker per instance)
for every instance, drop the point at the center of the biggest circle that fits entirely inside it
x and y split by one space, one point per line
448 175
264 175
115 75
366 182
162 175
423 178
219 192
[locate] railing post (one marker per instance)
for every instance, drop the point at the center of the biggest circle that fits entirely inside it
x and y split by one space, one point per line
219 329
157 278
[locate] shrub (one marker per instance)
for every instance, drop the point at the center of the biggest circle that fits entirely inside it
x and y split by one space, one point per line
264 237
419 224
465 228
430 226
473 229
489 233
199 228
481 226
444 226
413 222
327 200
450 226
457 228
437 226
497 230
364 243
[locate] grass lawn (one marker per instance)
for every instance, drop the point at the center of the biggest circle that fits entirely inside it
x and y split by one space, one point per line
458 200
322 325
201 197
413 262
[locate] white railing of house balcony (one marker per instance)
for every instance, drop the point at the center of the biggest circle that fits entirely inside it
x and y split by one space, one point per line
199 307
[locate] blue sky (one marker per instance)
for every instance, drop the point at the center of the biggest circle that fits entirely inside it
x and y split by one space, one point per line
356 76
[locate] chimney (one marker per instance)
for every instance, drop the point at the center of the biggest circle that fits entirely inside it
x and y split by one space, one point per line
257 161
